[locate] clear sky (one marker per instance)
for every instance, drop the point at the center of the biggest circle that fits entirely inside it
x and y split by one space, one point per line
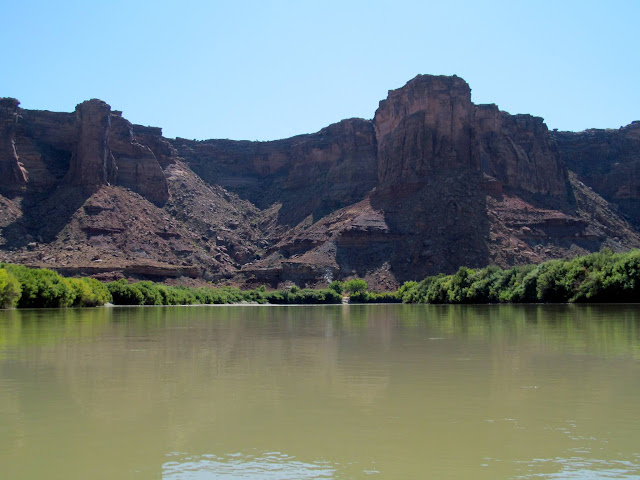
263 70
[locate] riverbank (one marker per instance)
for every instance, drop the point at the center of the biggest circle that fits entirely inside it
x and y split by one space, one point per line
603 277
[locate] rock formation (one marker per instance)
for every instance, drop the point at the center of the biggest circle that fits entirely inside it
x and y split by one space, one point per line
12 174
93 147
92 162
431 125
137 165
431 183
422 127
608 161
518 151
307 174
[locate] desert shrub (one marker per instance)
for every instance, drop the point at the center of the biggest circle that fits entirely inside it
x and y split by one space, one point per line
599 277
41 288
278 297
434 289
621 279
10 289
456 285
303 296
177 295
89 292
216 296
552 283
519 285
125 293
355 285
151 292
373 297
337 286
258 295
405 289
224 295
484 286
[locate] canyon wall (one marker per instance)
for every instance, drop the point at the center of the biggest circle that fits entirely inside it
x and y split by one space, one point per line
431 125
608 161
311 174
431 183
92 147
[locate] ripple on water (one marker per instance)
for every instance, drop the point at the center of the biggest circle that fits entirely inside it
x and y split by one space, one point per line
577 468
272 465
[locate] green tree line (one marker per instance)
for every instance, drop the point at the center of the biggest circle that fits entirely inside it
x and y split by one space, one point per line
599 277
24 287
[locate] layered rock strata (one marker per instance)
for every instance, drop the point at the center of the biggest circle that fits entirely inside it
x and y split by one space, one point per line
608 161
431 125
93 147
431 183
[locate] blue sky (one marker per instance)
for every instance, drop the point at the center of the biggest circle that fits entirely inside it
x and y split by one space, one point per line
272 69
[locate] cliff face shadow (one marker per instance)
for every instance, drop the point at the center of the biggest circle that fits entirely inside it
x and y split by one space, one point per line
45 215
434 227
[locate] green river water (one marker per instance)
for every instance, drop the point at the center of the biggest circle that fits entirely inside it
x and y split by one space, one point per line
321 392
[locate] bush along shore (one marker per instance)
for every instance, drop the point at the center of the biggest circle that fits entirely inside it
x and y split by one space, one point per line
599 277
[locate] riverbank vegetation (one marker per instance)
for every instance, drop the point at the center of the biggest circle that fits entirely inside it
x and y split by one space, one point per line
598 277
24 287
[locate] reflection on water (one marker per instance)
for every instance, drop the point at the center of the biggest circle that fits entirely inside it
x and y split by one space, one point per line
344 392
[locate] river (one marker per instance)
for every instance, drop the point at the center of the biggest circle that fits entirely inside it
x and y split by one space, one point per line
321 392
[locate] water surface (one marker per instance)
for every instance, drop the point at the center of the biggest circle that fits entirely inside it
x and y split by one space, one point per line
323 392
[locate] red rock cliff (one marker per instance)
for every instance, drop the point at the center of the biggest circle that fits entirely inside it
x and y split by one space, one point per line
431 124
308 174
519 152
92 162
608 161
433 182
11 172
138 167
424 126
92 147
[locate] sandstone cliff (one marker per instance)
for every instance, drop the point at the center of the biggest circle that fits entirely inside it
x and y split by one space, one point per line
431 124
93 147
608 161
304 175
518 151
431 183
12 174
424 126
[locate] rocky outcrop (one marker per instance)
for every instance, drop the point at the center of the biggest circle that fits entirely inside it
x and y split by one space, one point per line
12 174
518 151
152 137
137 166
92 162
92 147
431 124
45 142
608 161
424 126
106 153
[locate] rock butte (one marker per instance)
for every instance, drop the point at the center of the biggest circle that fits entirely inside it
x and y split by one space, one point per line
431 183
